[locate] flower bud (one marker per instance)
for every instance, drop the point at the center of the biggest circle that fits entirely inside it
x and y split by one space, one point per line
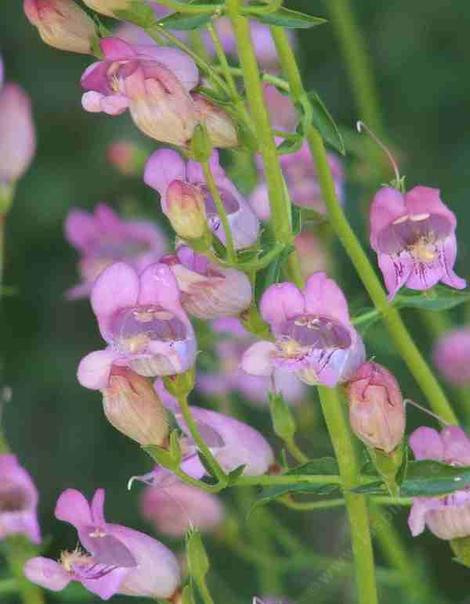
62 24
132 406
376 410
127 157
220 127
186 210
108 7
17 135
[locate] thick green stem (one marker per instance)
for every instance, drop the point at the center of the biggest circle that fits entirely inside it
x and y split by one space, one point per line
219 204
200 442
391 317
355 504
280 209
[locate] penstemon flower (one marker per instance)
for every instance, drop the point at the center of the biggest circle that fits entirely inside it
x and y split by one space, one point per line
414 237
176 507
152 82
17 133
448 517
232 341
452 356
103 238
313 334
142 320
376 409
18 501
115 559
208 291
301 179
166 167
62 24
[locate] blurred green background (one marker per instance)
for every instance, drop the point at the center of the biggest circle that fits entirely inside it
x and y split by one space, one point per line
420 51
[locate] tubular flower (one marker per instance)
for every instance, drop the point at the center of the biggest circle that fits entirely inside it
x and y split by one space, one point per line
175 508
61 24
18 501
208 291
102 238
166 167
133 407
232 341
17 133
448 517
114 560
232 442
452 356
152 82
301 179
313 334
414 237
376 410
220 127
141 319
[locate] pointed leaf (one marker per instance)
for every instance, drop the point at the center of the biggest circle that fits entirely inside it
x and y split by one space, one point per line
285 17
430 478
184 21
439 298
325 124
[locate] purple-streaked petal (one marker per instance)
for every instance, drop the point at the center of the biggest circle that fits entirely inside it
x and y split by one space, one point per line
47 573
257 360
72 507
427 443
97 507
395 270
162 168
117 287
108 586
449 251
387 205
94 369
324 297
280 302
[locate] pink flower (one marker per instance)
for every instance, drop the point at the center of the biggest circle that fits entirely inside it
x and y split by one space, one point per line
102 238
313 253
165 167
152 82
414 237
232 341
313 334
376 410
448 517
232 442
17 134
18 501
62 24
281 109
208 291
141 319
301 178
452 356
174 508
220 126
115 559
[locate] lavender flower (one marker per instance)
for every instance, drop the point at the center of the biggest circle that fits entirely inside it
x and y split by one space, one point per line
452 356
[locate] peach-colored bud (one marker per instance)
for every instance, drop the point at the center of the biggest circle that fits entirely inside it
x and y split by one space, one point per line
132 406
220 126
127 157
62 24
186 210
376 410
108 7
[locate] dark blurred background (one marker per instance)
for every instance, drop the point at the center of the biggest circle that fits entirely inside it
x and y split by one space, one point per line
420 52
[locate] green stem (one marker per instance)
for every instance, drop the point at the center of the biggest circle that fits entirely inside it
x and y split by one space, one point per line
186 7
355 504
280 209
219 204
204 591
19 550
358 63
244 481
391 317
200 442
8 586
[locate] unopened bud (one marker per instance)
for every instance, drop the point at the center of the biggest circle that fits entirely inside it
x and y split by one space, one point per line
186 210
108 7
62 24
132 406
127 157
219 125
376 410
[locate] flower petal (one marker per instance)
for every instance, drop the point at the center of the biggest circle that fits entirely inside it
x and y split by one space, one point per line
427 200
456 445
387 205
72 507
280 302
47 573
395 270
257 360
80 229
94 369
324 297
427 443
162 168
159 286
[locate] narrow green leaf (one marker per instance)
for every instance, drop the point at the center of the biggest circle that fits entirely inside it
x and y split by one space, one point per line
290 145
325 124
322 466
285 17
376 487
184 21
430 478
439 298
